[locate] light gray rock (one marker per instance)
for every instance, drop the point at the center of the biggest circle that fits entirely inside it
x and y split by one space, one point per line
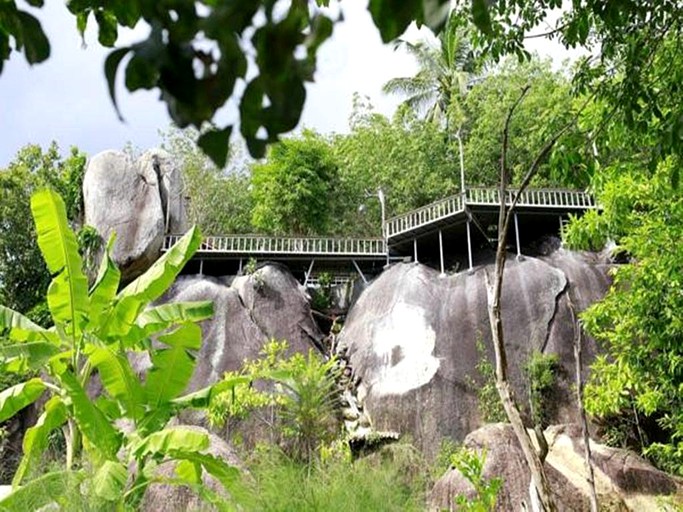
624 481
170 182
411 339
253 309
123 197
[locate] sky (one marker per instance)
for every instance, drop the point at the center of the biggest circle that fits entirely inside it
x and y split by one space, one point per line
65 99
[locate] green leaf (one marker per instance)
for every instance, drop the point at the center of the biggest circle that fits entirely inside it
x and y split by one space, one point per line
189 471
108 28
36 437
202 397
35 42
15 398
110 480
172 368
119 380
42 491
68 292
169 441
92 423
19 328
481 16
34 353
105 287
162 317
150 285
216 144
222 471
111 66
153 283
392 17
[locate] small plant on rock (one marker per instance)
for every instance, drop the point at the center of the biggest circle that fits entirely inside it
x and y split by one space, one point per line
301 388
470 464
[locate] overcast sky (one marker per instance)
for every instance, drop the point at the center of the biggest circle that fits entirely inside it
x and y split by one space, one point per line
65 98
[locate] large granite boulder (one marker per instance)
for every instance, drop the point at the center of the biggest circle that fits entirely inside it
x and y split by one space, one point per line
139 200
411 339
248 311
623 481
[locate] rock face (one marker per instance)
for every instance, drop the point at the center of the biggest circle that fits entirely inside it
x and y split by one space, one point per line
139 200
411 339
623 480
248 311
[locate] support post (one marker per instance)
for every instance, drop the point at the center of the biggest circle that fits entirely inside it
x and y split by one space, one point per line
308 273
239 272
201 267
415 250
519 252
443 273
360 272
469 244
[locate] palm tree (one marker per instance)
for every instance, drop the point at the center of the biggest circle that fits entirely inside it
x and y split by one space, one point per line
441 83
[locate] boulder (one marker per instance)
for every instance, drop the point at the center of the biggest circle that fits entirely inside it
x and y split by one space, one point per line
170 182
139 200
623 480
176 498
411 339
248 311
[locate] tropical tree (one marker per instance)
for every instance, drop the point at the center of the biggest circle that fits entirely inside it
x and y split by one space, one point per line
437 90
292 189
408 158
24 277
93 332
219 199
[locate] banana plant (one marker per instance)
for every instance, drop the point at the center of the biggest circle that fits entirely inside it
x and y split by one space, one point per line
94 331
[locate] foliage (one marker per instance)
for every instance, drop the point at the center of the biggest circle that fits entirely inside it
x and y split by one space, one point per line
470 464
94 330
23 275
443 76
219 199
541 373
546 108
302 390
293 188
639 323
488 400
322 294
393 480
409 159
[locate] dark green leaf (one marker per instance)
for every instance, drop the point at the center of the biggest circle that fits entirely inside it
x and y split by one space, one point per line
216 144
36 45
108 28
481 16
111 65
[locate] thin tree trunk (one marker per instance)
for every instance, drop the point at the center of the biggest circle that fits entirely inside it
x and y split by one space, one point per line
590 475
542 498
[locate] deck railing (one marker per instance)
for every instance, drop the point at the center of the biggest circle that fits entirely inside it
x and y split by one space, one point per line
552 198
424 215
547 198
258 244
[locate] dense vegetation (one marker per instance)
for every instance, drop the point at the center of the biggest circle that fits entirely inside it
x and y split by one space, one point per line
620 115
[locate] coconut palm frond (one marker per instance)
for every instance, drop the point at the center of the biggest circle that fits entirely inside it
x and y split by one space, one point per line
407 86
